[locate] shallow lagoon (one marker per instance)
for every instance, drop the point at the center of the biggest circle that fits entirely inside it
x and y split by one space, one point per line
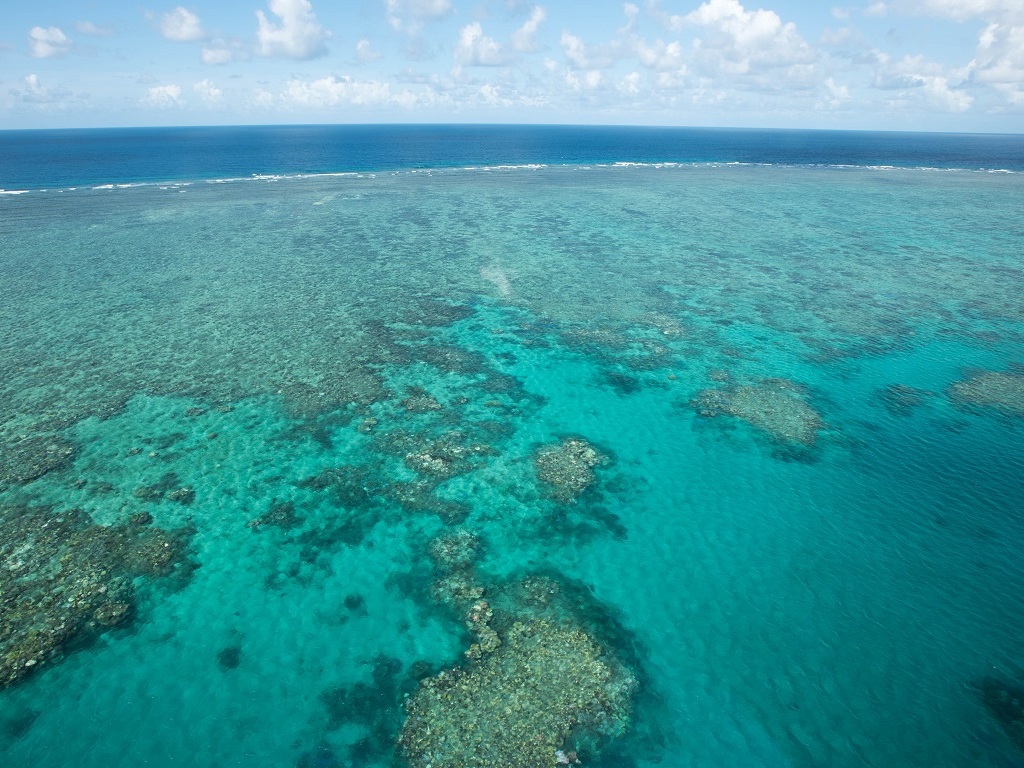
820 570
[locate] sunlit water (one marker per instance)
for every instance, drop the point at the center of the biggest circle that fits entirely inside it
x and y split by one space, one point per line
833 604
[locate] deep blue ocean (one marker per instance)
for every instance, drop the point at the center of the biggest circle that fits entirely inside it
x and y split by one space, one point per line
33 159
511 447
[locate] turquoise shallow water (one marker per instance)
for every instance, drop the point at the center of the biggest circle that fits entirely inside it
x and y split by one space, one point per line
834 601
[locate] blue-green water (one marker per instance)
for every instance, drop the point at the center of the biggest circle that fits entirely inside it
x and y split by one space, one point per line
834 601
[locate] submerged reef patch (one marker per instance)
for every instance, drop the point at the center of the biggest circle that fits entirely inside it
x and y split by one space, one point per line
567 467
1006 703
902 400
776 407
540 680
518 705
996 390
64 580
27 458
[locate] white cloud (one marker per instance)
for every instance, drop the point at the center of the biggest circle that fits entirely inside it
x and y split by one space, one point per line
476 49
962 10
365 53
739 42
661 56
580 81
999 61
298 36
630 83
181 25
575 50
837 94
32 91
51 41
332 92
262 99
921 82
216 54
409 15
163 96
88 28
522 38
208 92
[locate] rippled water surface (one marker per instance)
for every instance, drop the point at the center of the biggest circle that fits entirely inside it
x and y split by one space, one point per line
738 447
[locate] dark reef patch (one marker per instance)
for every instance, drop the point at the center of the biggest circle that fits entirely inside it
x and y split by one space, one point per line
1005 702
902 400
993 391
66 580
229 658
28 458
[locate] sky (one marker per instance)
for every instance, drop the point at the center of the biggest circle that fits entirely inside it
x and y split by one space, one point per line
929 65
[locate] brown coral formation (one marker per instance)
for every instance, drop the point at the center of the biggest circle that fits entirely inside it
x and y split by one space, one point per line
996 390
516 707
26 458
567 468
64 579
775 406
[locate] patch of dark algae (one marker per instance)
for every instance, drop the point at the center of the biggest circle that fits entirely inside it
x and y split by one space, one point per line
65 580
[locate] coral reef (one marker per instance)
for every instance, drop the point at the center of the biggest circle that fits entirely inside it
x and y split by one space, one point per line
446 457
567 467
456 550
280 514
775 406
64 579
1003 392
26 458
517 706
902 400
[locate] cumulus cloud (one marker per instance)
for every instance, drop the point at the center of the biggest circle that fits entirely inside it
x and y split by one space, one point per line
298 35
476 49
163 96
523 38
220 51
962 10
46 42
332 91
208 92
837 94
181 25
580 81
365 53
409 15
584 56
661 56
630 83
88 28
32 91
922 82
741 42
